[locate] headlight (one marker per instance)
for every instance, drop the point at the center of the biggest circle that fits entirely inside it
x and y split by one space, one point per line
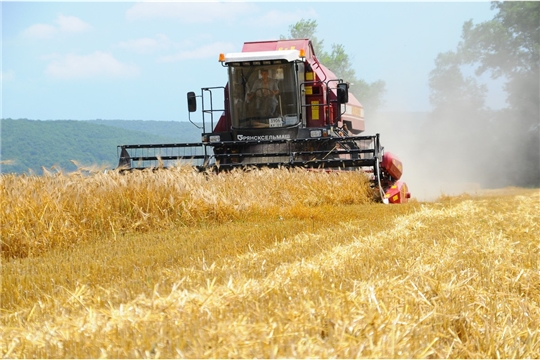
215 138
316 133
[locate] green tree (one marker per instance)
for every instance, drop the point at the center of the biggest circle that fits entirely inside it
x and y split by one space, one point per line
305 29
449 86
371 95
507 47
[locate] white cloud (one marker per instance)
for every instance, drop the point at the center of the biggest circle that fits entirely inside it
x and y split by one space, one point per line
65 25
191 12
203 52
72 24
8 75
97 64
147 45
40 31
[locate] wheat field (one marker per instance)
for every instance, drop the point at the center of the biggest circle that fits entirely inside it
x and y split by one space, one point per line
263 264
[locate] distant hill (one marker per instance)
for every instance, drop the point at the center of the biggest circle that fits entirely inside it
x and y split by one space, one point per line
178 131
32 144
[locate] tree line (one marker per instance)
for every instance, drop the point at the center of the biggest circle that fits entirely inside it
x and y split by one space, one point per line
503 144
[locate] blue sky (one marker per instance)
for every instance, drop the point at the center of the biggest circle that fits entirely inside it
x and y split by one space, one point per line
125 60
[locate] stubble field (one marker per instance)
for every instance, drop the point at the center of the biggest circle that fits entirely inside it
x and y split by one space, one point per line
178 264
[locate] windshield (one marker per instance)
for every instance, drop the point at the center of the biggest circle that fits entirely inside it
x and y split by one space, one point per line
263 96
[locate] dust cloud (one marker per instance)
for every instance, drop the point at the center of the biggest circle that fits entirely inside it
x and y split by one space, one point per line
440 155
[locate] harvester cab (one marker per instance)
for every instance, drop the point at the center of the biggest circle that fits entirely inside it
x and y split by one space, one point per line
282 108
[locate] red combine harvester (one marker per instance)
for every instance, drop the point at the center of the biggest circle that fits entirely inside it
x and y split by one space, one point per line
282 108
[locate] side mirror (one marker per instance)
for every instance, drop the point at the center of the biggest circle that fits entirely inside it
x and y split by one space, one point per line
191 101
343 93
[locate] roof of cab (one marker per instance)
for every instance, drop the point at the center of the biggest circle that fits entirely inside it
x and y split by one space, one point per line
276 45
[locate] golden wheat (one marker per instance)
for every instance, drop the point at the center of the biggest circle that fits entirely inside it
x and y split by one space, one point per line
266 264
44 212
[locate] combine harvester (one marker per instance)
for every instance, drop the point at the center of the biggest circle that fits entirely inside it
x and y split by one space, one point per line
282 108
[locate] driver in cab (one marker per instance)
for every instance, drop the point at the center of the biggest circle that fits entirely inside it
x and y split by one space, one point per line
264 88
